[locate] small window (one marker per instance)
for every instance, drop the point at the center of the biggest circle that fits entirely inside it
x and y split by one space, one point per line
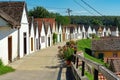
42 39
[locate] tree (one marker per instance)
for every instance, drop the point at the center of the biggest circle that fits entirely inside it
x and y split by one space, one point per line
41 12
116 22
54 38
96 22
38 12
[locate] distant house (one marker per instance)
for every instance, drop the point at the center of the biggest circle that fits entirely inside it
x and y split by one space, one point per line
42 34
14 31
48 34
75 32
83 32
59 33
79 33
37 45
89 32
114 31
31 34
106 48
104 32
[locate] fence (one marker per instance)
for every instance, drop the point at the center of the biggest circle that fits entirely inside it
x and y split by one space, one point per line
109 75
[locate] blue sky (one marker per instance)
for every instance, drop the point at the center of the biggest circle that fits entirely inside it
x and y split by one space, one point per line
105 7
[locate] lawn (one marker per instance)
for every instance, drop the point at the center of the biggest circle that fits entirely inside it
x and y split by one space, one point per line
5 69
86 43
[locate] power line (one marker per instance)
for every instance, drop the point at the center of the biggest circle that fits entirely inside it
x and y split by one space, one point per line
91 7
83 7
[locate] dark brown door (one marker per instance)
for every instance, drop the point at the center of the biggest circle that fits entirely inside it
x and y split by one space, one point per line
25 43
48 41
10 49
31 44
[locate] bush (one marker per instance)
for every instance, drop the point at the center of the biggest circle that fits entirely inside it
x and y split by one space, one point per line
5 69
68 53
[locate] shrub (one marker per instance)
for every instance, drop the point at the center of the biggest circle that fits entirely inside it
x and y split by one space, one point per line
5 69
68 53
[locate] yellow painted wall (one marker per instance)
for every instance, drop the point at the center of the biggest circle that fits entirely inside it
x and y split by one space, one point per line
107 54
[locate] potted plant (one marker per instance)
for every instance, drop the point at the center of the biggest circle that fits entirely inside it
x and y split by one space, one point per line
68 54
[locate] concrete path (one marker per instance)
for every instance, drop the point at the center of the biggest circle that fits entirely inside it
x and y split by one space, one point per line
41 65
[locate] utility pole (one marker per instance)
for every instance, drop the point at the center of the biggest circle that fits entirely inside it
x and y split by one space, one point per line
69 11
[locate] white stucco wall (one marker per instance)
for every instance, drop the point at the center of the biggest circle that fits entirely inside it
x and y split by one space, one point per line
32 35
79 33
43 44
23 29
59 34
4 44
36 38
48 35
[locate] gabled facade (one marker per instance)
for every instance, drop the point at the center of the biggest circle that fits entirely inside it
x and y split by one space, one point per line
89 32
75 33
42 34
106 48
79 33
31 35
104 32
8 42
37 39
83 32
67 33
24 34
48 34
16 32
59 33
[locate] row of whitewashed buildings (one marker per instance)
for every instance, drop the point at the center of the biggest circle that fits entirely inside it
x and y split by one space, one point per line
20 35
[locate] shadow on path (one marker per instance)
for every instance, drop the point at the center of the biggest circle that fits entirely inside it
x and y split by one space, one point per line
68 72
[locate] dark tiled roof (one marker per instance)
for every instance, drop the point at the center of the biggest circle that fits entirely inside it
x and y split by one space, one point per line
46 21
13 9
107 44
39 22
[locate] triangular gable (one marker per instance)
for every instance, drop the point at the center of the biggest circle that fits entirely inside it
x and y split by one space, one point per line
60 29
89 29
83 28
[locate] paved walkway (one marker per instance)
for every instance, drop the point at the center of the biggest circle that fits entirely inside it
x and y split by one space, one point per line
41 65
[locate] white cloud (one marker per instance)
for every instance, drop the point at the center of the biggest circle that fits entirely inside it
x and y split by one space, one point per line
51 10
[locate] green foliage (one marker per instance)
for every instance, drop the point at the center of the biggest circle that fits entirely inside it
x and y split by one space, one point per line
68 53
90 76
54 38
41 12
5 69
86 43
96 20
64 20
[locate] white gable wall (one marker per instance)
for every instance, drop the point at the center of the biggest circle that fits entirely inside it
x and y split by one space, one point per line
4 45
23 29
47 36
79 33
89 32
59 34
43 38
32 36
83 32
36 40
